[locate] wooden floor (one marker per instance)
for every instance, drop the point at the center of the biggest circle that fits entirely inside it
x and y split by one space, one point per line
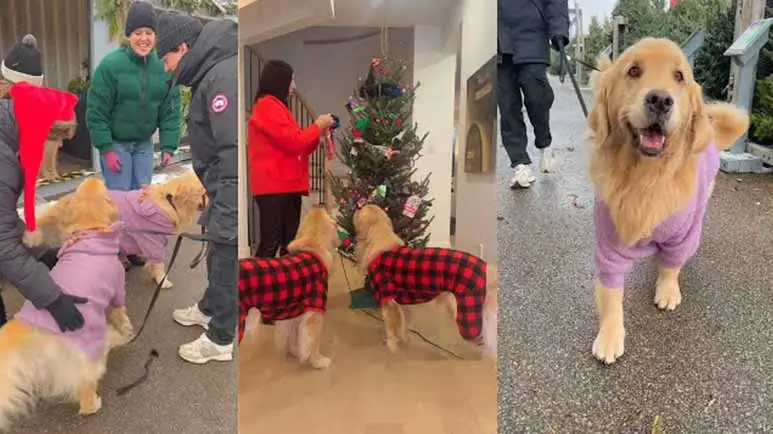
420 390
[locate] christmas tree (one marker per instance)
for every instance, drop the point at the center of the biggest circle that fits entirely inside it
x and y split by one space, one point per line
380 148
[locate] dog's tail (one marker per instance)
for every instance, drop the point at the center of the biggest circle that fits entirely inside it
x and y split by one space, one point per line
729 122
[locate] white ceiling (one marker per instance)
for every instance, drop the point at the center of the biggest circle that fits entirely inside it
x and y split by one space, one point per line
264 19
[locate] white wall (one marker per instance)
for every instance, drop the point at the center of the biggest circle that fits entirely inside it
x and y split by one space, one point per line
476 194
433 110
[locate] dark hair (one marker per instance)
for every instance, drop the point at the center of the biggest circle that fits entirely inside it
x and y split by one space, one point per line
275 79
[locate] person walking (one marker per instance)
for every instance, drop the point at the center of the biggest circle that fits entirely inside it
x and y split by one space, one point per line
205 59
279 151
525 32
129 98
28 112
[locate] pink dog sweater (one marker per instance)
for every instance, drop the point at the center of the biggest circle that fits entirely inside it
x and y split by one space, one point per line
675 240
88 267
143 216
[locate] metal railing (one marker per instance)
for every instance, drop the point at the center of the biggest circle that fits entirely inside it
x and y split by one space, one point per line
304 115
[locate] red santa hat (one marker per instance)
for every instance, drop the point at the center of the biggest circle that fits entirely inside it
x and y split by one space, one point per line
36 109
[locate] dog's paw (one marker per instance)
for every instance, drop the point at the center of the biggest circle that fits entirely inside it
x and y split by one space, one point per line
667 294
609 344
320 362
127 330
167 284
32 239
393 344
92 407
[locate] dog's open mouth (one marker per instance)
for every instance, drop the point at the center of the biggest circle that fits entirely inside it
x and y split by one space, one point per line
651 141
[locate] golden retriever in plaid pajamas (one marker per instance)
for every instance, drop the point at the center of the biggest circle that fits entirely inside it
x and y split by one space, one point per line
375 236
292 290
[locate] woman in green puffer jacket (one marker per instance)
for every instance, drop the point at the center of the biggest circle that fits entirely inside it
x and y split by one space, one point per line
129 98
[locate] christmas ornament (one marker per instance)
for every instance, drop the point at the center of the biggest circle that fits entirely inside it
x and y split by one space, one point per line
362 123
399 137
380 192
347 242
354 152
398 123
342 233
352 103
389 152
362 202
411 206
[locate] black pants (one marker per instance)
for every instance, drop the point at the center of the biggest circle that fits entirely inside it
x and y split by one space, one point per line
44 254
531 79
279 216
220 298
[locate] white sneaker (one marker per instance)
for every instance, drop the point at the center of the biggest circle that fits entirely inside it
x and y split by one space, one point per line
203 350
547 160
191 316
522 177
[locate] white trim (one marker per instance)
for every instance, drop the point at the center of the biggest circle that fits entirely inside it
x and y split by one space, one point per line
16 76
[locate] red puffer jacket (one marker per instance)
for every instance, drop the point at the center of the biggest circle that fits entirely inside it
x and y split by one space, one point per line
278 149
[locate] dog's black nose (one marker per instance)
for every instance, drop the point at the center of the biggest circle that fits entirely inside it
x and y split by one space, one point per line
659 101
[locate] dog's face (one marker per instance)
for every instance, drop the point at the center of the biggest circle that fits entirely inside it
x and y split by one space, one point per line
187 195
88 208
368 218
648 100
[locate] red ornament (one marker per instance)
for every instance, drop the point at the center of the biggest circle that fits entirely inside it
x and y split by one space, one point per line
398 123
356 132
347 242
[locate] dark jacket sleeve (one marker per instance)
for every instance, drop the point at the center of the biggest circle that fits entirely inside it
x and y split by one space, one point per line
17 264
222 221
101 99
169 121
558 18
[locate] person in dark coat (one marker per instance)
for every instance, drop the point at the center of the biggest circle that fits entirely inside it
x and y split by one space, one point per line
28 114
526 30
204 58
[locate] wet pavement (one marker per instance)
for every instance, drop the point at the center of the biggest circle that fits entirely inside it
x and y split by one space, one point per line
704 368
177 397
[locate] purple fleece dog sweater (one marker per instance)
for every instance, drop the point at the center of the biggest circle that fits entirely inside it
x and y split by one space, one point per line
674 240
89 268
143 216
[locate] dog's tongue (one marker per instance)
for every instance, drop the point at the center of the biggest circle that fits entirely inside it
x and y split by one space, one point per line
652 141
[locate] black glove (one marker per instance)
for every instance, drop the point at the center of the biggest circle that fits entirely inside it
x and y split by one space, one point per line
558 41
65 313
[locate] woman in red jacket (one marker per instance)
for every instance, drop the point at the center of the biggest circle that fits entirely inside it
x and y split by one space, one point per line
279 152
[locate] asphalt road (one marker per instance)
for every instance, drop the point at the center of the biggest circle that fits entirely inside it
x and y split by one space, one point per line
705 368
177 397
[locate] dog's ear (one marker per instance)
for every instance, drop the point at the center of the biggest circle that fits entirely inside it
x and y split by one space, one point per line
599 124
728 122
700 127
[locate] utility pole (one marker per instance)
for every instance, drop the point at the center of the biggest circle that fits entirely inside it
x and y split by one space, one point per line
747 12
575 19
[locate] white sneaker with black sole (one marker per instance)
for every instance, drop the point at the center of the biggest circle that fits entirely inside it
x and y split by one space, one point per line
522 177
203 350
547 160
191 316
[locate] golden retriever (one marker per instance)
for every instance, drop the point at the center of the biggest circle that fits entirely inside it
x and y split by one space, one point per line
40 362
375 238
298 303
655 154
150 216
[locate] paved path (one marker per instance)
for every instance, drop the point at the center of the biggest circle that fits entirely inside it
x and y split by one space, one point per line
705 368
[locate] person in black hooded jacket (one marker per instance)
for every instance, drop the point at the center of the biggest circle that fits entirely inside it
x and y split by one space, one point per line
204 58
525 31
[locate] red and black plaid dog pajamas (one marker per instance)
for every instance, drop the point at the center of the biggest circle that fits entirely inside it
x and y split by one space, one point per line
418 275
281 288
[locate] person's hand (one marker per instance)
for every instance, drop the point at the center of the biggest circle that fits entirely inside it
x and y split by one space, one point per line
144 192
113 161
166 158
66 313
559 41
325 121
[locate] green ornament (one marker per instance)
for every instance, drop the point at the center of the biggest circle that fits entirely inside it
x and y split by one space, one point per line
342 233
380 191
359 110
362 123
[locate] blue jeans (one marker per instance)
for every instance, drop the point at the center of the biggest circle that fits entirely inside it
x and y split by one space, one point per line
136 166
220 301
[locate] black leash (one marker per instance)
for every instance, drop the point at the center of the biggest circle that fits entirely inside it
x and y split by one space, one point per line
372 315
564 68
153 355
